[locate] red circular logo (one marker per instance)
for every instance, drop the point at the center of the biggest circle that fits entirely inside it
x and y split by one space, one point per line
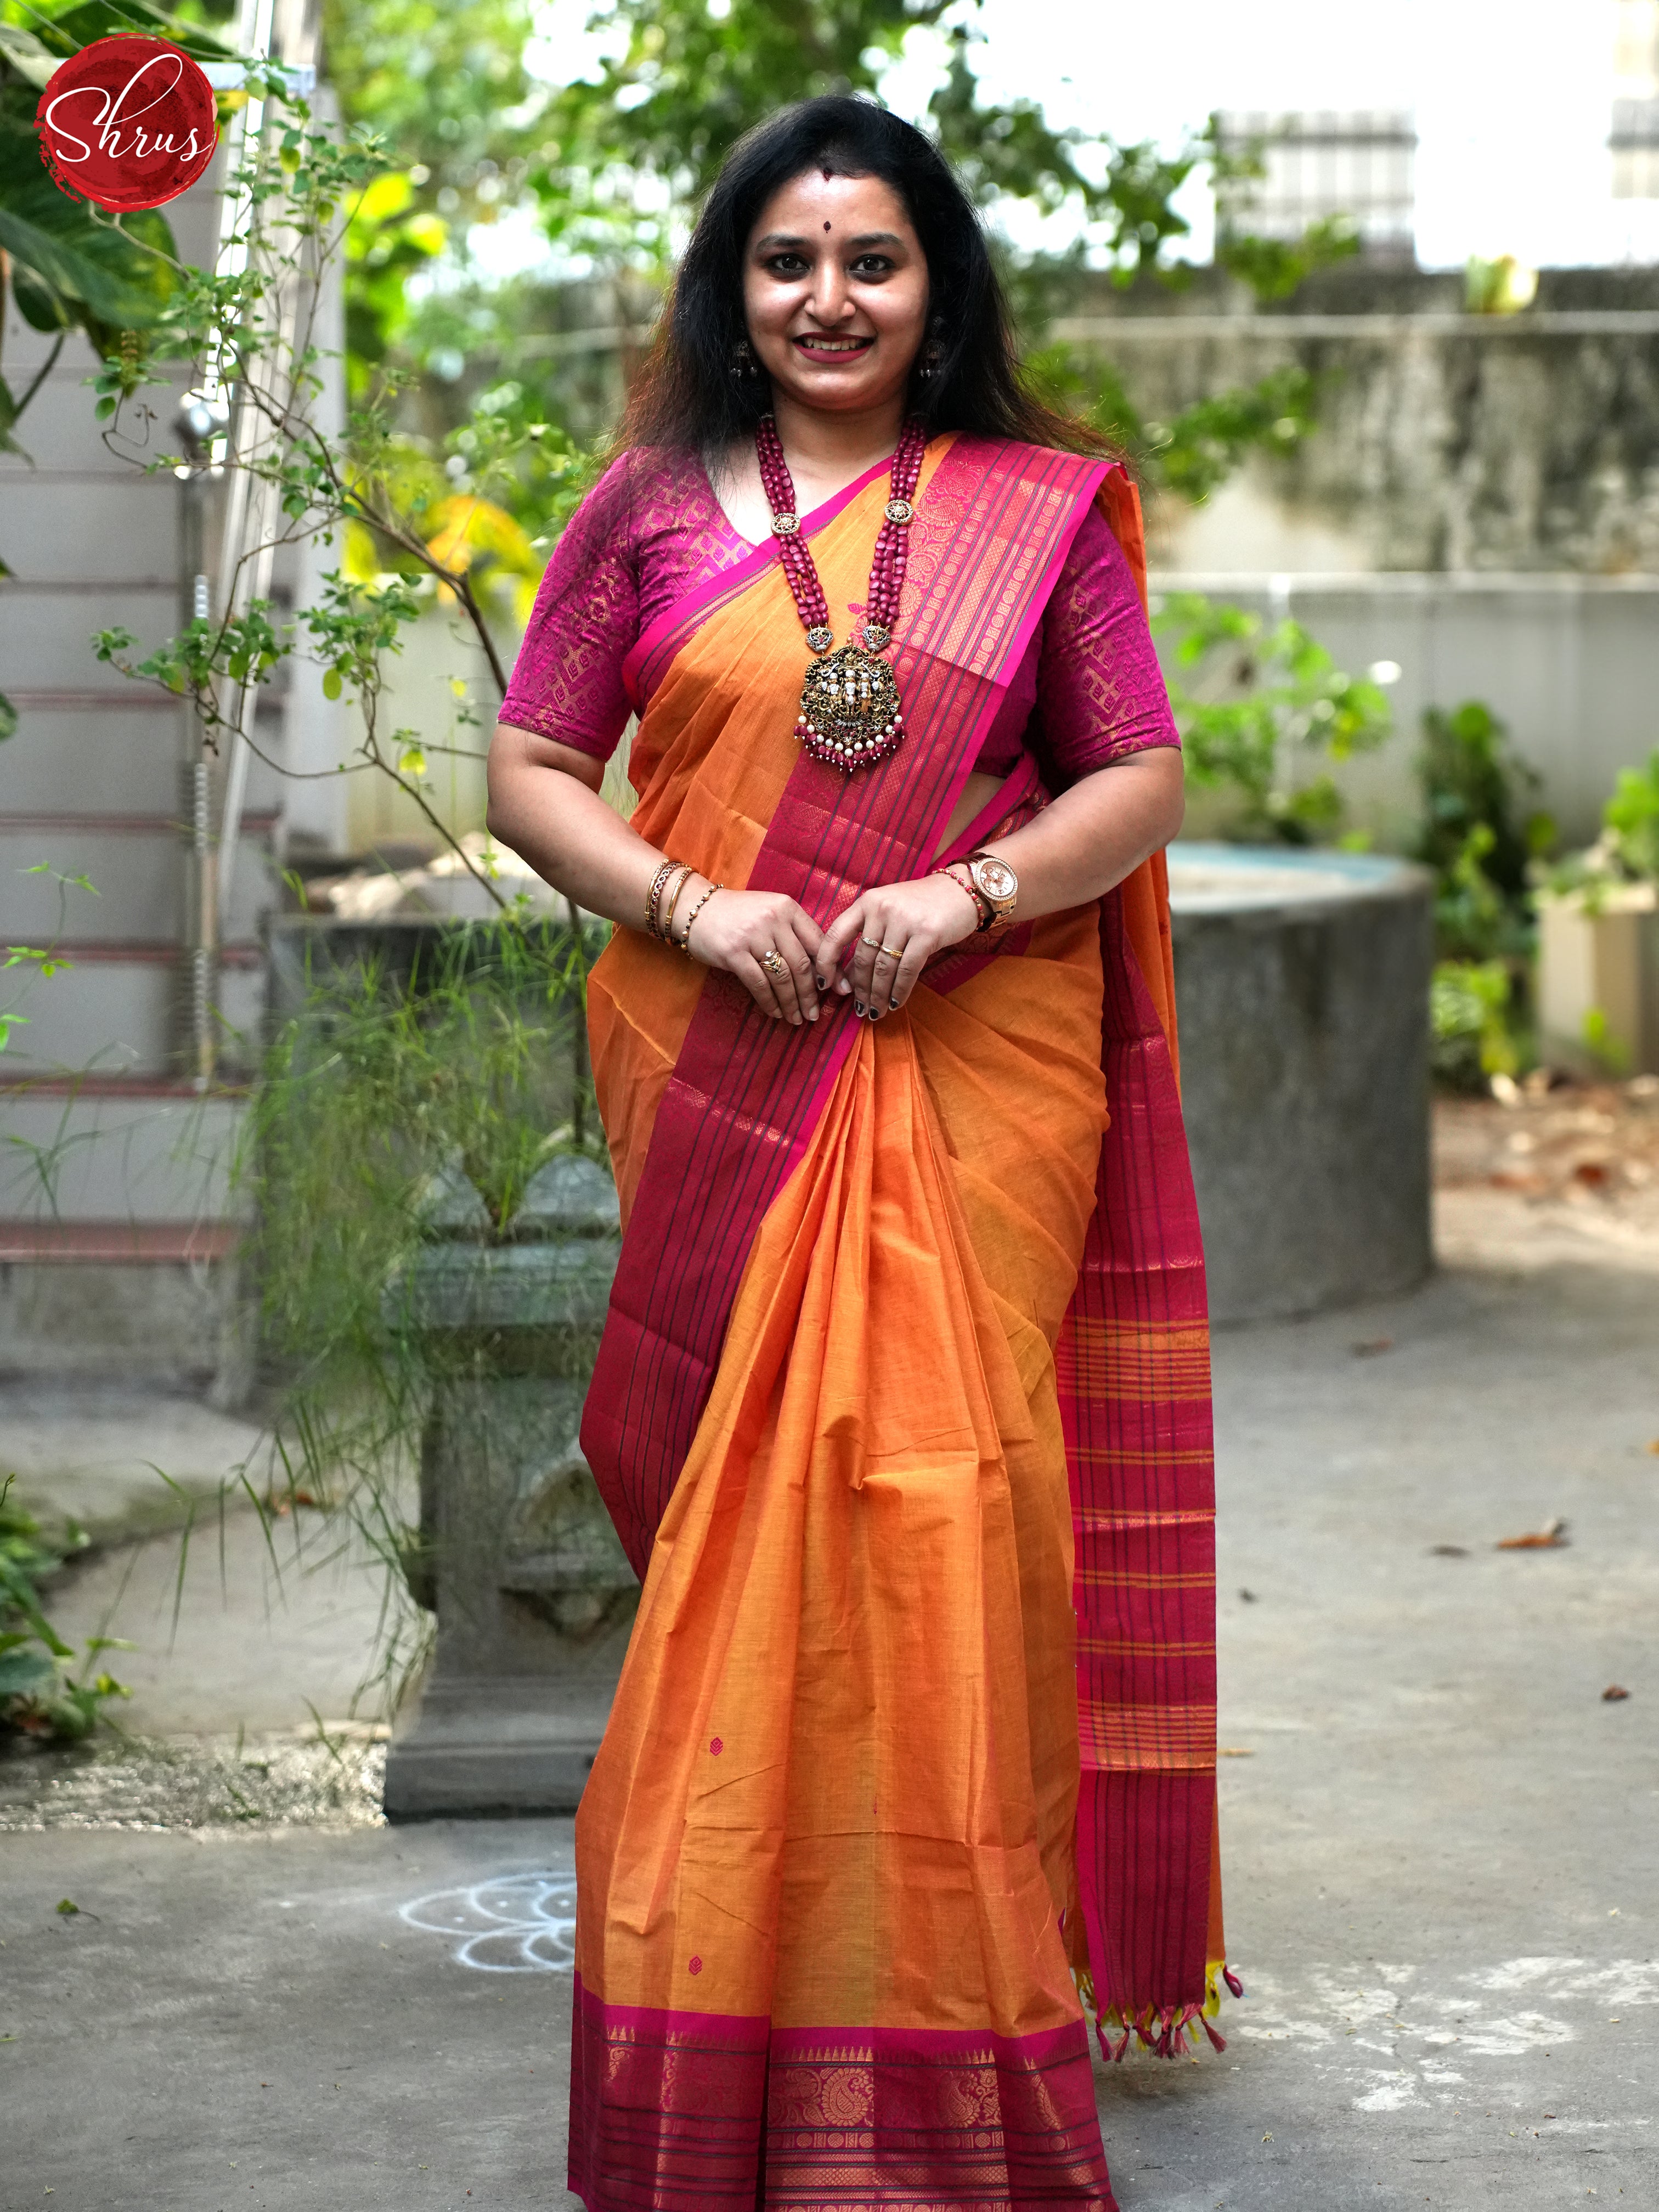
129 122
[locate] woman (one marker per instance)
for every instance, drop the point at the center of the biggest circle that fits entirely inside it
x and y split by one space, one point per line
907 1353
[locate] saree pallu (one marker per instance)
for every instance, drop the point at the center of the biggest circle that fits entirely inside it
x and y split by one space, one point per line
905 1358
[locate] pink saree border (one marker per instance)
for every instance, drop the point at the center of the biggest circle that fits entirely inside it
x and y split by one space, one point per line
1132 1367
693 2112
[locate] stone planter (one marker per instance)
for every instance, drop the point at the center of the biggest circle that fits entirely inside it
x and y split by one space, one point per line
1302 984
1598 979
517 1556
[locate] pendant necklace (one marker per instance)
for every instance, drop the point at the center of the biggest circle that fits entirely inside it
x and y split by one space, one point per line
850 713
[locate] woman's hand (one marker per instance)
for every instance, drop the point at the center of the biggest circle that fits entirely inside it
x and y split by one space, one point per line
893 933
764 939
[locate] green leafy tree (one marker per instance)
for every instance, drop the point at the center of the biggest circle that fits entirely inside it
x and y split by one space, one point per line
1471 780
1482 838
1261 709
68 266
1631 820
1273 268
1201 446
408 523
623 156
444 89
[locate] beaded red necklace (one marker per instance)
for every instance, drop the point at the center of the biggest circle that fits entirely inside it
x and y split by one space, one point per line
850 713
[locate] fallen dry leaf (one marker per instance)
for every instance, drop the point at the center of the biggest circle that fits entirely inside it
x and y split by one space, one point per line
1233 1751
1449 1550
1590 1172
1654 1447
1550 1538
1614 1694
1513 1179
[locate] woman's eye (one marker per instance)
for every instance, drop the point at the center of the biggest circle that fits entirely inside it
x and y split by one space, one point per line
872 265
785 264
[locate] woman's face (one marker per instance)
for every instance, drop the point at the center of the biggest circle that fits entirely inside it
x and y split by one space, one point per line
834 287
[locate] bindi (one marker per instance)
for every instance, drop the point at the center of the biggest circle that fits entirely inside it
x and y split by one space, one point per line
826 226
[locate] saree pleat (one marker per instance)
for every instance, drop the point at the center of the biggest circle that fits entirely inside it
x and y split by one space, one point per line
906 1359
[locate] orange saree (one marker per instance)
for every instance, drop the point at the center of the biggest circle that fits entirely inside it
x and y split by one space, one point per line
880 1402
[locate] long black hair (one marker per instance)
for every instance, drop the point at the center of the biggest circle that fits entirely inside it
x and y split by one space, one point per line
686 395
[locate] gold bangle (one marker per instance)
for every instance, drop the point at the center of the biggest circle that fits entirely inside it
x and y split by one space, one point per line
669 874
654 894
685 941
668 919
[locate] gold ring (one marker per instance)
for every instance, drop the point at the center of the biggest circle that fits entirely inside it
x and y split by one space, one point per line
891 955
775 963
870 942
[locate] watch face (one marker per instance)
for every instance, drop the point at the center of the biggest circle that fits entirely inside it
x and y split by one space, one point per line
995 878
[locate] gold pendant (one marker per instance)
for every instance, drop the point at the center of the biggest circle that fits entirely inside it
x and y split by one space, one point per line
850 713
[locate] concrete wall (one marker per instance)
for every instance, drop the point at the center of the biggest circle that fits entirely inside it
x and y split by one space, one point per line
1479 503
1447 441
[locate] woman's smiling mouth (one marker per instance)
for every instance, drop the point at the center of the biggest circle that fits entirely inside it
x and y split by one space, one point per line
825 348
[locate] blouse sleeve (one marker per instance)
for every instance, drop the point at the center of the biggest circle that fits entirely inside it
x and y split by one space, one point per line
567 681
1101 694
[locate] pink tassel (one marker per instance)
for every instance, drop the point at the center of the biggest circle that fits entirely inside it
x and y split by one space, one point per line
1219 2041
1232 1981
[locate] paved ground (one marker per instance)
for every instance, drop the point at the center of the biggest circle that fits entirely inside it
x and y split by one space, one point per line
1441 1841
237 1625
117 1459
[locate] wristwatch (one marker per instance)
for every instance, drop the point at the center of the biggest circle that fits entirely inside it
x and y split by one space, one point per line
996 884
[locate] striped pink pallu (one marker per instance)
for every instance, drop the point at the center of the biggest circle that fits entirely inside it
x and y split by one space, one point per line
1133 1361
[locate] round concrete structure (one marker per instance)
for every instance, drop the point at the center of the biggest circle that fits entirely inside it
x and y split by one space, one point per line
1302 984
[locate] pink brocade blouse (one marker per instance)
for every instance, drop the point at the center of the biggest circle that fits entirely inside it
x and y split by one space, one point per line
1088 691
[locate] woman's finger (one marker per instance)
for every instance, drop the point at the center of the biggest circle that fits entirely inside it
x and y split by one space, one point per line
865 954
806 929
833 947
909 971
758 984
884 973
802 973
777 959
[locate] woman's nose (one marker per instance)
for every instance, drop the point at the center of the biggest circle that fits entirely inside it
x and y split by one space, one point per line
829 293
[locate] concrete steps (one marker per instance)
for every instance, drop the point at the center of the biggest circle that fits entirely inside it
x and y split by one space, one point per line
117 1226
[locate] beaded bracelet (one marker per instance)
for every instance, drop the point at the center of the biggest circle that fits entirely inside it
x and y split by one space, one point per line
685 941
655 893
982 906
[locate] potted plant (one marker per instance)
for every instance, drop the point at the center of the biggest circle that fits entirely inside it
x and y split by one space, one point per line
1598 982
